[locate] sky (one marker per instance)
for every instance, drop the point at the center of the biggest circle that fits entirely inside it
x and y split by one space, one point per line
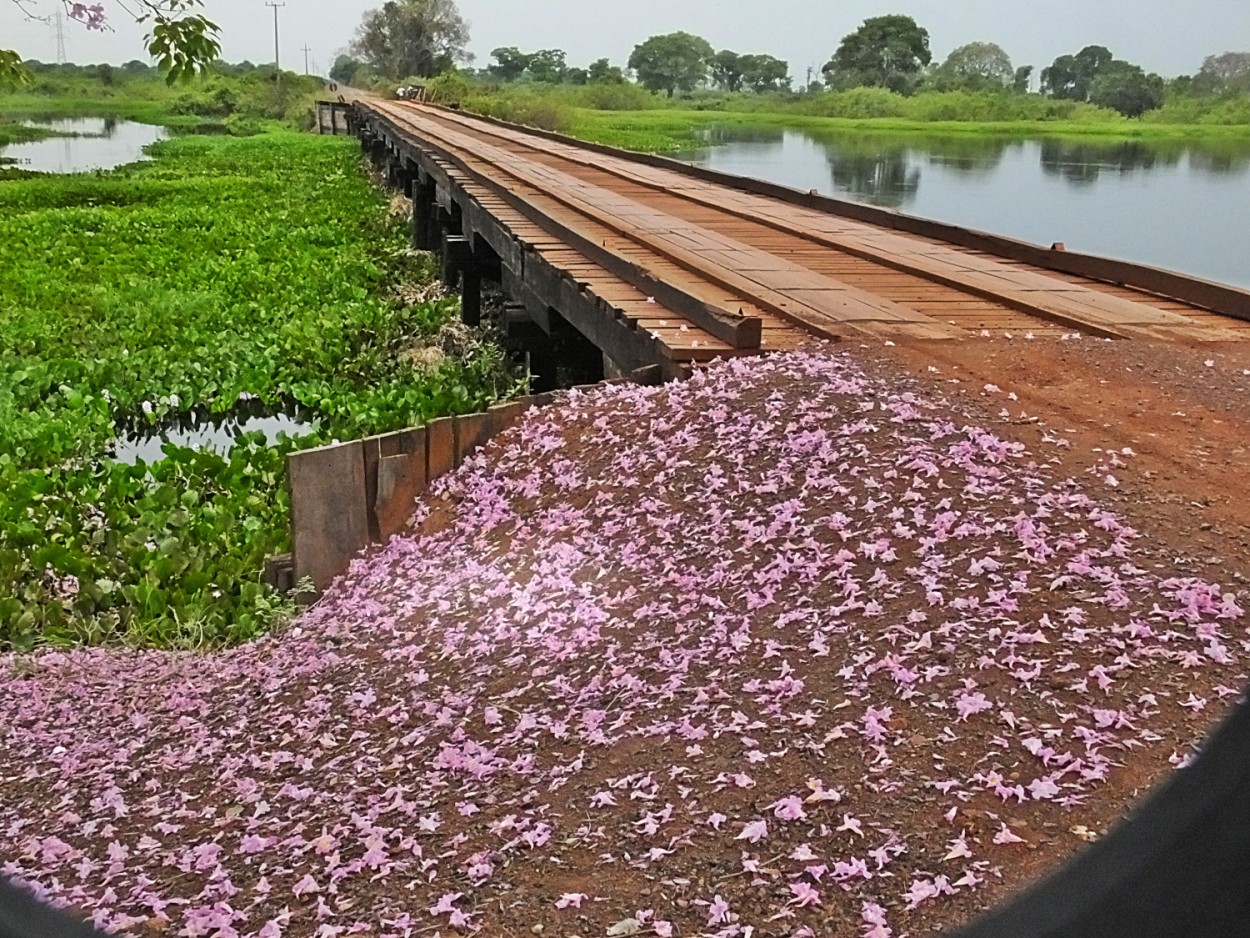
1167 36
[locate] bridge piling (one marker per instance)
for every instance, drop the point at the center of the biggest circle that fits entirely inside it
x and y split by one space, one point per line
579 335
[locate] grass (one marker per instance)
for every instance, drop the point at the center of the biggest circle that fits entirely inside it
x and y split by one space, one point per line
669 130
15 132
224 270
628 116
247 104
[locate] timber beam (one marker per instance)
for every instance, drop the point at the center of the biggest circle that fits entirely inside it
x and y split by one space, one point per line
443 208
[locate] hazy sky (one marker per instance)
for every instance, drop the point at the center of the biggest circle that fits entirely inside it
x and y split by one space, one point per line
1167 36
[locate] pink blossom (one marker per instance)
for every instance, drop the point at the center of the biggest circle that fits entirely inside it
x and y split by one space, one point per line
446 903
804 895
1005 836
754 831
789 809
718 911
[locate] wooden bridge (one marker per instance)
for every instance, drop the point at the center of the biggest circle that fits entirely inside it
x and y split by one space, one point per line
617 261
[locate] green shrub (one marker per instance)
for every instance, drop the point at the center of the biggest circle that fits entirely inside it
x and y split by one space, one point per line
622 97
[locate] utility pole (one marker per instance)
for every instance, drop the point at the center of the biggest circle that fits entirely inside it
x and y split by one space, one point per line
306 49
808 86
277 68
59 25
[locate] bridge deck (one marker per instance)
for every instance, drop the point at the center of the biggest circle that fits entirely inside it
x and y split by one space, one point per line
737 263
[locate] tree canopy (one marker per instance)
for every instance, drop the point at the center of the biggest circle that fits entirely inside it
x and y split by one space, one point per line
509 65
345 69
182 40
885 52
405 38
726 68
1223 73
733 72
603 72
1070 77
671 62
1127 88
1098 77
765 73
548 65
978 65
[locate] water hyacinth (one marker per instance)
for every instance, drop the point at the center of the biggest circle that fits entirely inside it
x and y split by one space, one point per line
789 646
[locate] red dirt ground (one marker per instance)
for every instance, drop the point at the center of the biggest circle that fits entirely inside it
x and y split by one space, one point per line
803 646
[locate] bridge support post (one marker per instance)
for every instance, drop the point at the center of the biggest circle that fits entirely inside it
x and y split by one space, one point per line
423 215
581 360
471 296
457 255
459 263
536 345
377 151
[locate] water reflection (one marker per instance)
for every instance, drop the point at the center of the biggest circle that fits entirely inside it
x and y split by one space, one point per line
1083 162
1227 159
969 154
85 145
879 176
1123 198
200 430
742 136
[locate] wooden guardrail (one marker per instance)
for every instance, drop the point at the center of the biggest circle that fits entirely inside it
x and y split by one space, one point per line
347 496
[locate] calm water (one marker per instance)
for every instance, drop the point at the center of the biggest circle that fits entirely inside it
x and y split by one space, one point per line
1176 205
102 143
217 432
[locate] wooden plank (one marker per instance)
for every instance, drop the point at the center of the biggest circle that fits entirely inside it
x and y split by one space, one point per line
1149 278
739 331
659 231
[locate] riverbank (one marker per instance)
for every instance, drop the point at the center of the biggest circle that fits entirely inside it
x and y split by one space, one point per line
222 103
225 280
627 115
673 130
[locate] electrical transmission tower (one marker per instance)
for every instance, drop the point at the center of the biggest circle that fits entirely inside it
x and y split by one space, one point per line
58 24
306 49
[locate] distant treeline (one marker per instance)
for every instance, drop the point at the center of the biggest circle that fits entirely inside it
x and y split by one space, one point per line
890 53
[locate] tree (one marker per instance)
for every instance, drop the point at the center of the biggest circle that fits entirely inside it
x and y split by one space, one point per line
726 67
764 73
885 52
182 41
979 65
405 38
345 69
1070 77
603 72
510 63
547 65
672 62
1127 88
1021 80
1221 73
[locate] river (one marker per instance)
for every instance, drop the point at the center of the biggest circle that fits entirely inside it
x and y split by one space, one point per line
85 144
1182 205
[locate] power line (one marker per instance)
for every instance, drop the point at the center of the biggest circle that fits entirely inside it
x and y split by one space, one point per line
276 65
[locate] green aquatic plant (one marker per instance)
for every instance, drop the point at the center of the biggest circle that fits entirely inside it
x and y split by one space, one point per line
264 269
